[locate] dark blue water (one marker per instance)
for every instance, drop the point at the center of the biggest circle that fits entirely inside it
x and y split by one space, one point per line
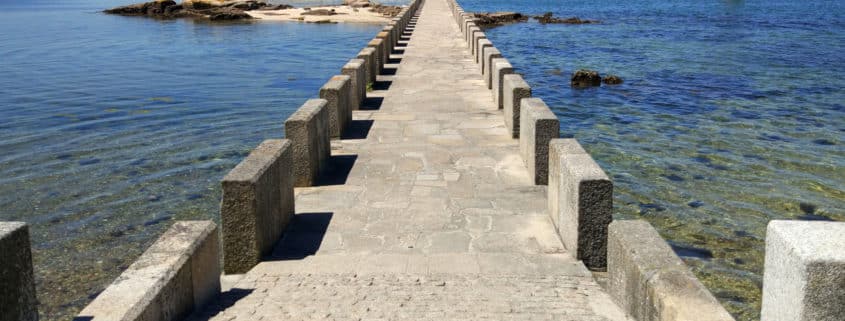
732 114
111 127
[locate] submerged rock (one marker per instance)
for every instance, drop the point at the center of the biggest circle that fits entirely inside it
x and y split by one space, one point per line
585 78
493 19
612 80
549 17
319 12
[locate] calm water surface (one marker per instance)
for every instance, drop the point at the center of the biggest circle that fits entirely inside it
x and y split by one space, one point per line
111 127
732 114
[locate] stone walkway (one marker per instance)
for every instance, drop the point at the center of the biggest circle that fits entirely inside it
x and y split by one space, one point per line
429 213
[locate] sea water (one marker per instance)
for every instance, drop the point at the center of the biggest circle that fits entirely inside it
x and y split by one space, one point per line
112 127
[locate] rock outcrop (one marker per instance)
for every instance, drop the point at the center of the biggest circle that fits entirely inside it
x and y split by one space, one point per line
494 19
205 9
585 78
548 17
388 11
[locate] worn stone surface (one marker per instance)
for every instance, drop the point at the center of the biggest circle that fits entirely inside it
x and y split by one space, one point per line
17 299
804 275
581 201
501 67
434 189
257 204
308 131
355 69
537 126
336 93
369 57
650 282
179 273
378 50
515 89
488 54
479 41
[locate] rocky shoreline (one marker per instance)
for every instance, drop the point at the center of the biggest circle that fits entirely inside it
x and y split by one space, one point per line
217 10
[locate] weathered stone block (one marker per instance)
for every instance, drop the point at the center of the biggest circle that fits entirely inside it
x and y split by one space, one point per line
479 40
650 282
481 44
358 84
369 56
179 273
515 89
804 273
308 131
336 92
257 204
380 59
17 299
580 201
489 54
501 67
386 48
537 126
471 31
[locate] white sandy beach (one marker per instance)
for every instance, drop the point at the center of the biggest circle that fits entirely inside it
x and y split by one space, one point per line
344 14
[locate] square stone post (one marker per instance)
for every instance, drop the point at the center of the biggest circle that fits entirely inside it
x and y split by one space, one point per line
804 272
17 298
515 89
308 131
538 125
336 92
358 84
257 204
580 201
480 45
378 45
369 56
489 54
501 67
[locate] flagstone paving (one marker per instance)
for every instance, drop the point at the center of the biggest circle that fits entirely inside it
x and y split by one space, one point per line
428 212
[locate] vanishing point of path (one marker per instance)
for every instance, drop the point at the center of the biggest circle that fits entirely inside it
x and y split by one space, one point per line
429 213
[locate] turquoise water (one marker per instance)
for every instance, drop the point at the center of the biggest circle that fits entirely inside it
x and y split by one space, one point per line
111 127
732 114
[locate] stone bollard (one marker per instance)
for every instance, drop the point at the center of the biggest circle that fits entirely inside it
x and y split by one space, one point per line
487 60
257 204
308 131
369 56
514 90
176 275
336 92
17 299
804 272
358 84
385 47
478 48
580 201
650 282
537 126
501 67
471 34
378 46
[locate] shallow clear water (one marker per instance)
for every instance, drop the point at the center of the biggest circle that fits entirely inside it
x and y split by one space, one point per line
111 127
732 114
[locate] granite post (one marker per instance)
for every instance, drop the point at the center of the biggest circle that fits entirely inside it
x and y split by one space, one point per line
308 131
257 204
514 90
336 92
17 299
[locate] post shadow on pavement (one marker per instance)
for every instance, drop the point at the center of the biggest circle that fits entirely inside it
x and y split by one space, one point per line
223 301
336 170
387 71
302 238
382 84
358 129
372 103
